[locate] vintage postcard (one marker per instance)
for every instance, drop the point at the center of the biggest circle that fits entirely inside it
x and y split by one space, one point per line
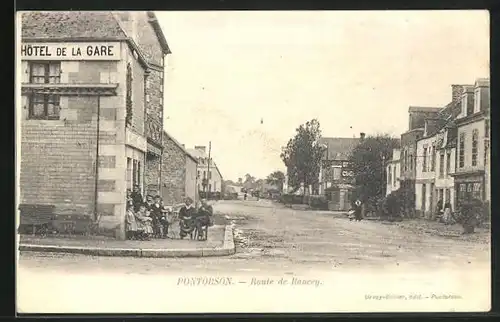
253 161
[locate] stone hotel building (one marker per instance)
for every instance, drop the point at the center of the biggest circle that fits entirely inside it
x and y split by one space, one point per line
91 111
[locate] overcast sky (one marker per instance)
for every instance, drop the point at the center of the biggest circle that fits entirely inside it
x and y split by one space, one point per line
229 70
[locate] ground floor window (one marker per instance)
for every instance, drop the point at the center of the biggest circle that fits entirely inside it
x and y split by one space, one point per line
44 107
441 195
134 177
424 197
467 191
447 197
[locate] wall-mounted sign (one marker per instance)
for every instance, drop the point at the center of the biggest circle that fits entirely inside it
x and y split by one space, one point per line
347 171
346 164
71 51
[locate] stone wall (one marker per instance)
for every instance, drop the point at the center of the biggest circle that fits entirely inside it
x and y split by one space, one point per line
173 172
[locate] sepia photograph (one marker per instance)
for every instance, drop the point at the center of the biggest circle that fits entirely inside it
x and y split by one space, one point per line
252 161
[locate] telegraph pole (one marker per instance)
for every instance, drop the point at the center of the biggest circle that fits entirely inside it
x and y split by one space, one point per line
209 176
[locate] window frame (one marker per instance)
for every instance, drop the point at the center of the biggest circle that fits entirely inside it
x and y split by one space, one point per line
433 158
46 74
46 101
461 150
441 164
477 100
448 162
424 162
475 147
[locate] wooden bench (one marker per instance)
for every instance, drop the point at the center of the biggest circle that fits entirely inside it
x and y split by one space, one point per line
38 217
73 224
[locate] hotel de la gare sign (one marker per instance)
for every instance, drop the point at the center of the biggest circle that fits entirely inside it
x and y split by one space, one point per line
71 51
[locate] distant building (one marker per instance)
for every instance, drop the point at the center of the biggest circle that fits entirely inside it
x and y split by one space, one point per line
472 175
178 172
417 116
336 174
393 171
435 158
208 171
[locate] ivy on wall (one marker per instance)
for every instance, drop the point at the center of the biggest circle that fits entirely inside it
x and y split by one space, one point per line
128 118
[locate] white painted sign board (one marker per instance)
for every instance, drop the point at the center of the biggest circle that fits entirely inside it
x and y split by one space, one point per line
71 51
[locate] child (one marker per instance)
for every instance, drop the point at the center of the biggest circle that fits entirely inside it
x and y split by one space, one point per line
144 221
131 224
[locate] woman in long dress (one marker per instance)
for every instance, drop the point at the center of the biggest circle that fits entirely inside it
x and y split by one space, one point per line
144 222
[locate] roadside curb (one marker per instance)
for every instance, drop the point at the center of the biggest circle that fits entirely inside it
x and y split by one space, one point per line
228 248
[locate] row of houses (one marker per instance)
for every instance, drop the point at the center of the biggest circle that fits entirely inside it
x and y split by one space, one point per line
445 154
91 116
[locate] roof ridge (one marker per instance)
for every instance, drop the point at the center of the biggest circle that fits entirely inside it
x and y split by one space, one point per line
179 144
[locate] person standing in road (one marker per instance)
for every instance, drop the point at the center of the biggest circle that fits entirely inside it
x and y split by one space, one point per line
357 210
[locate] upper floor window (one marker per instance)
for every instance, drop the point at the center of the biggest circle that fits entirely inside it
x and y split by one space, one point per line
411 162
204 174
470 104
389 175
475 138
209 175
461 150
424 162
486 150
45 72
44 106
487 128
337 173
433 158
394 175
448 162
441 165
477 100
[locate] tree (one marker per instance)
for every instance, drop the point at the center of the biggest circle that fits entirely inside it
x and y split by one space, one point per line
368 162
302 155
249 178
276 178
240 181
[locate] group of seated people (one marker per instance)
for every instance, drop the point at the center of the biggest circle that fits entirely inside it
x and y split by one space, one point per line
150 218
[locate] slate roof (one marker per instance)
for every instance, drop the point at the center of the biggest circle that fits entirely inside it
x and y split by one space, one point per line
424 109
339 148
70 24
180 146
200 154
85 25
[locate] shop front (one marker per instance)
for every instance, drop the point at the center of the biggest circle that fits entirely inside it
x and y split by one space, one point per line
469 186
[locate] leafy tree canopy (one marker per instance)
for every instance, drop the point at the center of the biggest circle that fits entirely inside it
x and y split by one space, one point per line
368 159
302 155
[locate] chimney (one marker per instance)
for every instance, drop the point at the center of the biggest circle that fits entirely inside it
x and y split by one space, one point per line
200 148
183 145
456 92
362 135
